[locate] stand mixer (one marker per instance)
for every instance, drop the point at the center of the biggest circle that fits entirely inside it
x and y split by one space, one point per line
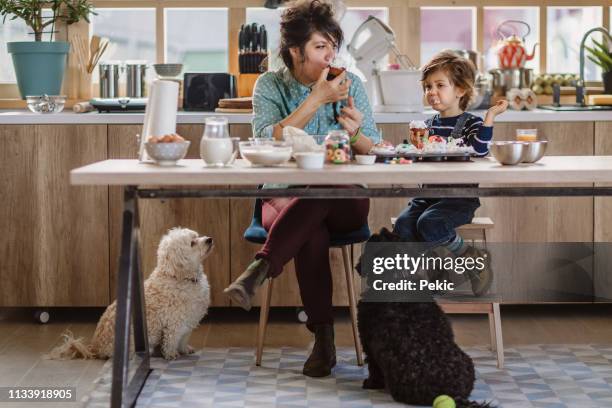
388 90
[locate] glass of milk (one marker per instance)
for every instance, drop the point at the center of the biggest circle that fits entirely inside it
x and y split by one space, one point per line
216 147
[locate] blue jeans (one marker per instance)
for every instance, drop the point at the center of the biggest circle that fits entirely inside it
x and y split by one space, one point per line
434 220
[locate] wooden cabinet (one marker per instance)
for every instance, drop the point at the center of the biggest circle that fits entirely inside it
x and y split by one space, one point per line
54 239
525 272
207 216
603 222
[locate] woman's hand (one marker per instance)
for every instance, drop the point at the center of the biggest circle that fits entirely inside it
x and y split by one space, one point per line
350 117
325 91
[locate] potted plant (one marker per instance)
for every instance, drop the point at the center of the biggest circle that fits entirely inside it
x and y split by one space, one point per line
600 54
39 65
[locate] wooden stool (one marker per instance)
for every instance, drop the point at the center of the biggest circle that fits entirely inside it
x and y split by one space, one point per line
476 231
267 296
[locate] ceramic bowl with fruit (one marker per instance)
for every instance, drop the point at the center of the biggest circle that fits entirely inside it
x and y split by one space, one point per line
166 150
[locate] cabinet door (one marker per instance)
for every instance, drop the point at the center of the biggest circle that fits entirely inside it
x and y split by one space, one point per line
54 236
535 277
206 216
603 222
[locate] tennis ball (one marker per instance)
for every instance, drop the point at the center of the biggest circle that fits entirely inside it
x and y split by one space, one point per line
444 401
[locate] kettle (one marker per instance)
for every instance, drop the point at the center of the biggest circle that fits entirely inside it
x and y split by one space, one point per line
511 50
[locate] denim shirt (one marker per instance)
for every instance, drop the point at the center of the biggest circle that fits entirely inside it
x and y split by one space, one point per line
278 93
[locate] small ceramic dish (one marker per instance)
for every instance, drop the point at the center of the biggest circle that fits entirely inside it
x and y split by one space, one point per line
365 159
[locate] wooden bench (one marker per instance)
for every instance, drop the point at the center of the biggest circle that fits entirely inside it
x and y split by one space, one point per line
476 231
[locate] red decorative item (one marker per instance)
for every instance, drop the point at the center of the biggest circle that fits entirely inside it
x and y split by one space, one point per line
511 50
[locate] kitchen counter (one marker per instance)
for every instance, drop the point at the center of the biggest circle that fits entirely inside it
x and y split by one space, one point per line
23 117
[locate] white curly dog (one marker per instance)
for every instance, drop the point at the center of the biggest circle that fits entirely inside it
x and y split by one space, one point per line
177 296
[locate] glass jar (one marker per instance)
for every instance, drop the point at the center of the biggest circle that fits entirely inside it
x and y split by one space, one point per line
216 147
338 147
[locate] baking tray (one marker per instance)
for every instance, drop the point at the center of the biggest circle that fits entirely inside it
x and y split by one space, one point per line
458 156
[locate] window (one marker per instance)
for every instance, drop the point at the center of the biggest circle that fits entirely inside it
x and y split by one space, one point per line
349 23
565 28
458 32
494 16
13 30
131 32
197 38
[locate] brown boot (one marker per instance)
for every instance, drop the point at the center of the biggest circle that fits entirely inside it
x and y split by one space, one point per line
243 289
481 280
323 356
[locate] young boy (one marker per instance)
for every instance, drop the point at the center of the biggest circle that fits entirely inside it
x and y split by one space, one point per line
448 82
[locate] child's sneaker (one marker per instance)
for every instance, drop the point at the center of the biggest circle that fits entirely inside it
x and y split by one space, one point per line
481 280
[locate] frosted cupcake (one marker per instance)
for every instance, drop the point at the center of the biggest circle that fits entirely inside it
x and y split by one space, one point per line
419 132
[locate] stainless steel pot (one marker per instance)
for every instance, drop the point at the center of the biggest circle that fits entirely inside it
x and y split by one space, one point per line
109 79
506 79
470 55
483 90
135 72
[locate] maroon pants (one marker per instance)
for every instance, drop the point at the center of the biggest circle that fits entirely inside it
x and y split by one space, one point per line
300 229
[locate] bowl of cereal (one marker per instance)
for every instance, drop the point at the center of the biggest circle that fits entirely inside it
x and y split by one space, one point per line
166 150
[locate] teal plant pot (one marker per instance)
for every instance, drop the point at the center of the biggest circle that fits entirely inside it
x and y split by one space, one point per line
39 66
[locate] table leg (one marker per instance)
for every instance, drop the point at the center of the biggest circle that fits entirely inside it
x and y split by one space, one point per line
130 303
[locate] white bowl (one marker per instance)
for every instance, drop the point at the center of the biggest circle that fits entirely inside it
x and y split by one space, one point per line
310 160
265 153
167 154
365 159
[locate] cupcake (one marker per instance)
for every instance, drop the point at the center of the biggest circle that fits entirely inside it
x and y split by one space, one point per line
419 132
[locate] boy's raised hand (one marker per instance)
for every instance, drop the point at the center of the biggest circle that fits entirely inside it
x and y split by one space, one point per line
493 111
499 107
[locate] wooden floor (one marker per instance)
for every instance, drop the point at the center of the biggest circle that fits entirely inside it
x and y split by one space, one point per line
22 340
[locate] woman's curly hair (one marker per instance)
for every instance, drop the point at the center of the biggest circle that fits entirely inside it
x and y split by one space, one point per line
301 20
461 73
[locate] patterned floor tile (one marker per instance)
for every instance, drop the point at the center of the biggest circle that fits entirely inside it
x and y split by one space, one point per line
551 376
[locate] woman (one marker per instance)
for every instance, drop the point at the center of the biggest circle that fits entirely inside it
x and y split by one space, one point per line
299 95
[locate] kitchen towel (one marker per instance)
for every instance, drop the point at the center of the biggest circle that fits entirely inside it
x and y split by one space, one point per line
515 99
529 98
160 113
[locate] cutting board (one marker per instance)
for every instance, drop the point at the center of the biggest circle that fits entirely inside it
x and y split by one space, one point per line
233 110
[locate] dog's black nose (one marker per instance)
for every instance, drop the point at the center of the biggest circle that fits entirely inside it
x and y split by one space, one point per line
209 240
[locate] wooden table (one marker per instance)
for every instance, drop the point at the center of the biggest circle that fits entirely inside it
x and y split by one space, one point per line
570 171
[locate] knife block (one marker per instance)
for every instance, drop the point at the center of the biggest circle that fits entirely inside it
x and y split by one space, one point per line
246 83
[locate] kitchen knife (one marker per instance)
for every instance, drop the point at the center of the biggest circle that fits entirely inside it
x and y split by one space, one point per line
241 49
264 39
254 31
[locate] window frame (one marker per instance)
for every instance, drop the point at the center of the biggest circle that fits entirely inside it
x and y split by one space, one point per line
404 19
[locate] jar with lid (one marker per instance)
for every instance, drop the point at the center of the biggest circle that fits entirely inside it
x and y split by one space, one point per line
338 147
216 146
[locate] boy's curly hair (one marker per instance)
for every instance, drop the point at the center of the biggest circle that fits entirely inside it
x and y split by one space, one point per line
301 20
461 73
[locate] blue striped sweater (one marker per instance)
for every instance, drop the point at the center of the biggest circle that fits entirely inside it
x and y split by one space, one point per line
474 133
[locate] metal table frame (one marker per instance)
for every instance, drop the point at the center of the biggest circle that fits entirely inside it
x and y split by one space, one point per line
130 283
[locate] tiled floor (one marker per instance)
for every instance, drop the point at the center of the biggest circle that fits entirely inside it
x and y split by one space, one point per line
22 341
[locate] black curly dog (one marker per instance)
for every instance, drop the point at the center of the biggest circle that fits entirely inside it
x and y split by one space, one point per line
410 349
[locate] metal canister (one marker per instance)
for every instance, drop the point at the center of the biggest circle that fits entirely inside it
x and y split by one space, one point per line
109 79
135 72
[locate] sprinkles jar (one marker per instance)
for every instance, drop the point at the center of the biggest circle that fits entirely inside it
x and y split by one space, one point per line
338 147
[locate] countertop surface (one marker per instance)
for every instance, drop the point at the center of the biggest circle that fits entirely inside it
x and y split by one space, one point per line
550 169
68 117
